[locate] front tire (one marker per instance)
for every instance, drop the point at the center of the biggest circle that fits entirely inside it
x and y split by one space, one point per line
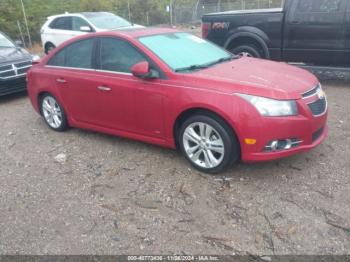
208 143
53 113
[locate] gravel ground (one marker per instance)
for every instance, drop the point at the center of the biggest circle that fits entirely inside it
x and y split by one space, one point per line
81 192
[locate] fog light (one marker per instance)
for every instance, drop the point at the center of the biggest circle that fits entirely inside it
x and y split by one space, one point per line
282 144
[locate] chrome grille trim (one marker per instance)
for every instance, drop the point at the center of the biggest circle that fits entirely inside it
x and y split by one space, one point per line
16 69
311 92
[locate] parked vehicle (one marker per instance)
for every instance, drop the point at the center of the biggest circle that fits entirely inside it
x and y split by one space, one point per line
174 89
60 28
14 63
313 32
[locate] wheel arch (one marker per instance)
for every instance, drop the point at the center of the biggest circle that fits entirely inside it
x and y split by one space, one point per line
40 95
249 33
188 112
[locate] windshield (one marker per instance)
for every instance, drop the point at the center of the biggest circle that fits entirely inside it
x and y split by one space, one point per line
5 42
107 20
184 51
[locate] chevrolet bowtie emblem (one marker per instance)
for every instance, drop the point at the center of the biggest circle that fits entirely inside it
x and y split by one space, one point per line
321 94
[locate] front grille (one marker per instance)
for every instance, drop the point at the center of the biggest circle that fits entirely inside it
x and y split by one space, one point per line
317 134
7 74
311 92
6 67
12 85
318 107
14 70
24 64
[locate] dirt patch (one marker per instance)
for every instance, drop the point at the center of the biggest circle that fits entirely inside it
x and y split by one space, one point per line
80 192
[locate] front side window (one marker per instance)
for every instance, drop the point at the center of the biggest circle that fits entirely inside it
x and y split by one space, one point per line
77 55
62 23
78 22
182 51
118 55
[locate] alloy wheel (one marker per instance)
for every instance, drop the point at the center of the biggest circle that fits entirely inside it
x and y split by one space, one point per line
203 145
52 112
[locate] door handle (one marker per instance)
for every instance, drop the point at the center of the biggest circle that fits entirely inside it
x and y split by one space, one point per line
295 22
61 80
104 88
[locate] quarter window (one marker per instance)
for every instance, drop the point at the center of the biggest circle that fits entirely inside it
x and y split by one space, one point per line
62 23
118 55
78 55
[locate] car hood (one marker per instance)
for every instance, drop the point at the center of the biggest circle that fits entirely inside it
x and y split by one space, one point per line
259 77
13 54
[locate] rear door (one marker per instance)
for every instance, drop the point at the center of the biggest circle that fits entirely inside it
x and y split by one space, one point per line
73 72
314 31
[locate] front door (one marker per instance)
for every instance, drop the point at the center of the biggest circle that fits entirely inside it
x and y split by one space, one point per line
313 31
128 103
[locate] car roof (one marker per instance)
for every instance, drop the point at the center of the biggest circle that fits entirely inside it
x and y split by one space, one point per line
81 14
139 32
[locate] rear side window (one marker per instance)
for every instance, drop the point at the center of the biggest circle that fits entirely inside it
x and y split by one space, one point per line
118 55
311 6
77 55
317 11
62 23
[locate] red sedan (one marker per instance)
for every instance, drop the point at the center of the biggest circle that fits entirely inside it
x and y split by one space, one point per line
174 89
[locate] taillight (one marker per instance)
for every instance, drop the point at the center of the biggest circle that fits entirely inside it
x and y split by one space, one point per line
205 29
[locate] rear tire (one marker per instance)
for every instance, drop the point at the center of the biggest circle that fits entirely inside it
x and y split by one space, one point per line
49 47
247 51
53 113
208 143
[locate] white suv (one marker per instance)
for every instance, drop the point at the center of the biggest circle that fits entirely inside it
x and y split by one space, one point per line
60 28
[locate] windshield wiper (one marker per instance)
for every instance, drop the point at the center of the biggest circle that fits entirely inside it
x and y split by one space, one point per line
191 68
221 60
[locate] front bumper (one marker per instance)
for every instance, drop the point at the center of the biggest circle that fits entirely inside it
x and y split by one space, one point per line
309 129
266 156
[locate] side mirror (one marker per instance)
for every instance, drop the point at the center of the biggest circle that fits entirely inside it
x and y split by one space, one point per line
85 29
19 43
142 70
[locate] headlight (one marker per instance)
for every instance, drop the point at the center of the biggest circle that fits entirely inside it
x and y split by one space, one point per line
272 107
35 58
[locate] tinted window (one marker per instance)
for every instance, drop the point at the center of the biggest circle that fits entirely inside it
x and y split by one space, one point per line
79 22
77 55
317 12
63 23
118 55
311 6
58 59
